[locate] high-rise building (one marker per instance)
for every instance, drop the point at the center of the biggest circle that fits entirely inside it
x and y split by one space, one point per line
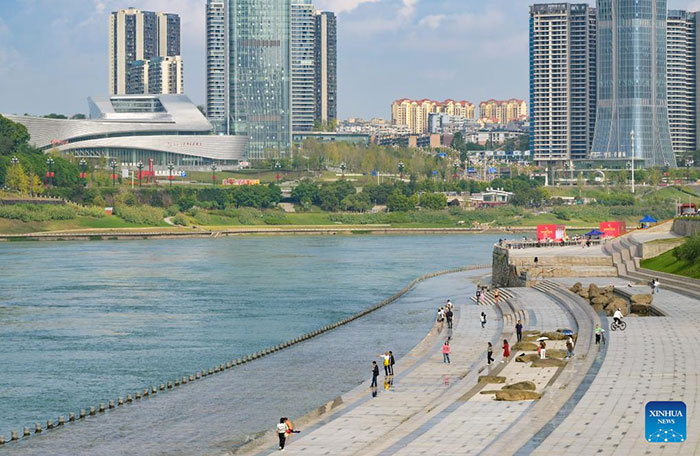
134 36
158 75
259 75
632 110
217 65
325 63
562 81
502 111
682 85
303 65
415 113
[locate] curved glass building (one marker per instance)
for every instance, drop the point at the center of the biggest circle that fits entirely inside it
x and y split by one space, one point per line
632 112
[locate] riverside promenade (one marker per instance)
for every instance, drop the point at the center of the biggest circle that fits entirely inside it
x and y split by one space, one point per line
594 405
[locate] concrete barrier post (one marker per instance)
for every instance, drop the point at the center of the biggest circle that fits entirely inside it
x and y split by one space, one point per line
111 404
129 398
102 408
26 432
82 414
92 410
120 401
49 424
61 421
13 435
137 395
37 428
71 417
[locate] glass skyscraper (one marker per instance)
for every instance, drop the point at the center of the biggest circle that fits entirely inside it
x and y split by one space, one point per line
632 111
260 75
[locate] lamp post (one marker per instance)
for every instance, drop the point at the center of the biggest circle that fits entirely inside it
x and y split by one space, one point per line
633 155
401 170
213 174
113 164
688 164
630 166
50 179
342 169
139 165
83 171
171 167
278 165
567 166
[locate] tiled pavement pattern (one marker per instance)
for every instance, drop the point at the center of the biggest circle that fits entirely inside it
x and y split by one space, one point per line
656 358
419 415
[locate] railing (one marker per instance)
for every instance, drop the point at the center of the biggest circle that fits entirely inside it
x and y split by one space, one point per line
536 244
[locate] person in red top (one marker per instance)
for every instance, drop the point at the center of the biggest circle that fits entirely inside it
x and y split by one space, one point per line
506 350
446 352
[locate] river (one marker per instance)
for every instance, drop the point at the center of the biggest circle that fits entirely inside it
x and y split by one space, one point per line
83 323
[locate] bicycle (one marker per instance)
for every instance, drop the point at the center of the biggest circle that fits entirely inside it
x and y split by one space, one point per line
615 326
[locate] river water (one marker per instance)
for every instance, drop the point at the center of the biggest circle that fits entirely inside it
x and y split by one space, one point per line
83 323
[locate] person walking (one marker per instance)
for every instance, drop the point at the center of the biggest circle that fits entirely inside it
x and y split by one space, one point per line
506 351
446 352
282 432
375 374
489 353
543 350
598 332
392 361
497 295
656 286
519 330
569 348
483 319
478 295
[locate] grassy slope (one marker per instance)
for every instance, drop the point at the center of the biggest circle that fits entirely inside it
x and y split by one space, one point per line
666 262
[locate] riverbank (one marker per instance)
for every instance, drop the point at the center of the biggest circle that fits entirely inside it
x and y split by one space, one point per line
206 232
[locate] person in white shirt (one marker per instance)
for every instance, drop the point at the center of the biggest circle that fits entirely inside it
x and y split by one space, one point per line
617 316
282 432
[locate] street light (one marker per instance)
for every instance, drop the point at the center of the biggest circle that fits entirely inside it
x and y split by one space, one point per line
171 167
139 165
83 171
688 164
567 166
633 155
401 170
213 174
342 168
630 165
113 164
50 179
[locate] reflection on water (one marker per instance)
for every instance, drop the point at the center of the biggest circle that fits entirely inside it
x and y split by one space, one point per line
83 323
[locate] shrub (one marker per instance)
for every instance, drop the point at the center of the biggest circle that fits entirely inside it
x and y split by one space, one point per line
91 211
37 212
140 215
180 219
690 250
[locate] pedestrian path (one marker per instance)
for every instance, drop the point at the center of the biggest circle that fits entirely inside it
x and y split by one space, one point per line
428 410
655 359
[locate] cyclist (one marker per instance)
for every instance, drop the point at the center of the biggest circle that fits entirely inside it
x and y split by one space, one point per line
617 316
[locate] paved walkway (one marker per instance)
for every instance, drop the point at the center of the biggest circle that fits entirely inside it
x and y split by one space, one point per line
427 410
655 359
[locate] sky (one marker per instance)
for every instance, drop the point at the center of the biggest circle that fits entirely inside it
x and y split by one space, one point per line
53 53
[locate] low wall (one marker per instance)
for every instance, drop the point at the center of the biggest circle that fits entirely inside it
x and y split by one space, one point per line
656 248
503 273
686 227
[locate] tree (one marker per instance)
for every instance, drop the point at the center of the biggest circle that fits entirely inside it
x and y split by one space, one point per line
305 190
655 176
78 116
328 199
397 201
12 135
34 184
434 201
16 178
358 202
55 116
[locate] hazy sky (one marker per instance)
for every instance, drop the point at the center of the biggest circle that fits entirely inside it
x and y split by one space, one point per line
53 53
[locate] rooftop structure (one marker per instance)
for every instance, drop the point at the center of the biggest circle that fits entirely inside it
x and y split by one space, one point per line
133 128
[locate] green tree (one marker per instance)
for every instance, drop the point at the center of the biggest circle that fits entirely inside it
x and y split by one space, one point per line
17 179
398 202
328 198
434 201
53 115
12 135
34 184
358 202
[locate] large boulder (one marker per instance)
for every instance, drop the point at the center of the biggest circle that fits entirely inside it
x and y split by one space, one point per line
618 303
517 395
527 346
597 308
553 335
491 379
548 362
609 290
600 299
593 290
577 287
526 358
556 353
583 293
521 386
644 299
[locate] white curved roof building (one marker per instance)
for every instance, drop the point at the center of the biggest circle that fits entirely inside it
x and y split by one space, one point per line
133 128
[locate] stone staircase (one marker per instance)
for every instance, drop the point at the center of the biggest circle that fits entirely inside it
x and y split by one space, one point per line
626 252
508 307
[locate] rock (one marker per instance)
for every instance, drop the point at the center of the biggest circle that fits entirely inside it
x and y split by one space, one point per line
600 299
619 303
556 353
597 307
554 335
510 395
593 290
548 362
526 358
489 391
531 332
641 299
491 379
583 293
577 287
521 386
527 346
609 290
